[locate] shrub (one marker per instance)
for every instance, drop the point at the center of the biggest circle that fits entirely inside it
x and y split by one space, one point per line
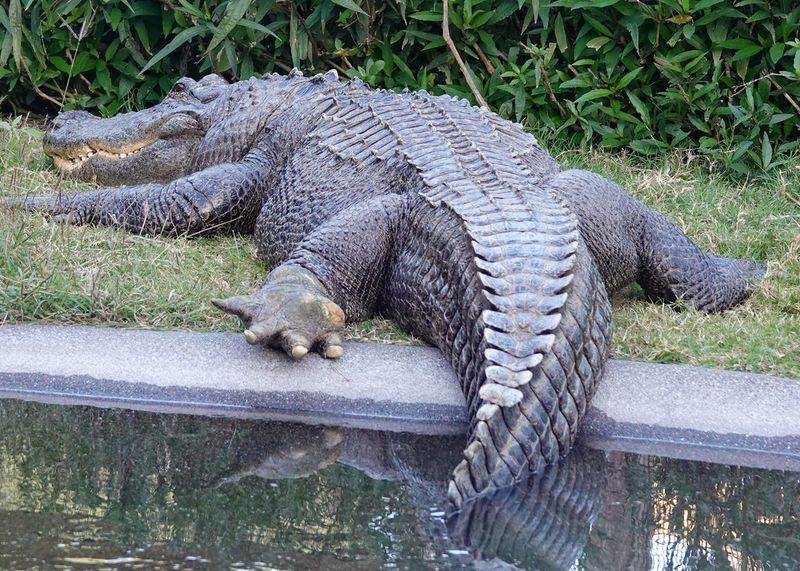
720 77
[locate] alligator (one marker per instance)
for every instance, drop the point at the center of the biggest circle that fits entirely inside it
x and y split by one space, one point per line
443 216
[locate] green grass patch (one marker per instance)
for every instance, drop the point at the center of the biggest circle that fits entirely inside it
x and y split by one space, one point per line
63 274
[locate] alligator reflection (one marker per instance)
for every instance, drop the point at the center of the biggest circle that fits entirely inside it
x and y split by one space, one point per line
81 486
542 523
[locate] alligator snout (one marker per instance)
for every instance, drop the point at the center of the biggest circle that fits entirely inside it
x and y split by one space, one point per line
55 141
68 116
67 119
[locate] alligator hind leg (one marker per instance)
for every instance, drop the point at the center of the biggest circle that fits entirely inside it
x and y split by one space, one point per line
222 197
335 271
675 268
632 242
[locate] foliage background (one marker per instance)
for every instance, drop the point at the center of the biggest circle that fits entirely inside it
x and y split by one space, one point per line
714 77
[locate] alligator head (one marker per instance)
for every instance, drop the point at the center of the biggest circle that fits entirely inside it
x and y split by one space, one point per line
199 124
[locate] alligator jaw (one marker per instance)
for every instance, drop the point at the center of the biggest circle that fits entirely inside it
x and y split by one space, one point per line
72 164
153 145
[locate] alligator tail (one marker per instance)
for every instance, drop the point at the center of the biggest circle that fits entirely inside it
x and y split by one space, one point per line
511 439
523 318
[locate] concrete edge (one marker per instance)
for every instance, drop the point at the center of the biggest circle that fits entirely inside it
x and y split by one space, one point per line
293 406
669 410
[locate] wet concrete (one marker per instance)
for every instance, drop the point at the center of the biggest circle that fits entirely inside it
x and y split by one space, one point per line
679 411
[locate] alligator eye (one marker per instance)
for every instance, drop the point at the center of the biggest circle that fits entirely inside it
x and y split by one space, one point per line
179 87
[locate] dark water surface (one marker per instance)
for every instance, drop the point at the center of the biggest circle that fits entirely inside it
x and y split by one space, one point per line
86 488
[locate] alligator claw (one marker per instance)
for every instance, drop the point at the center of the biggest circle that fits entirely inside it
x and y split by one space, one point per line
290 316
257 333
294 344
66 219
332 346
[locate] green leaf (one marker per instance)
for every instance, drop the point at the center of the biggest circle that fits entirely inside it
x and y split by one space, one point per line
634 31
535 7
83 62
741 149
181 38
145 8
103 77
4 18
433 44
703 4
5 51
648 146
561 34
776 52
294 41
780 118
766 152
519 103
584 4
258 27
640 107
503 11
597 24
628 77
190 9
738 44
114 16
714 15
598 42
746 53
15 18
61 64
234 12
144 36
427 16
488 43
403 66
350 5
593 94
575 82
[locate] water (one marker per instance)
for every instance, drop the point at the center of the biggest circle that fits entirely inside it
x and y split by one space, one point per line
85 488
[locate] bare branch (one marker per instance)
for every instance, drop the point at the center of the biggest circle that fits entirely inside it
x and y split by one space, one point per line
446 35
786 96
486 63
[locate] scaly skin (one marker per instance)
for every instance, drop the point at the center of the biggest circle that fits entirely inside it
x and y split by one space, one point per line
442 216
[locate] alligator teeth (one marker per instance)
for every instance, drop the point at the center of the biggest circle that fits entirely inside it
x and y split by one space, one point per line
89 154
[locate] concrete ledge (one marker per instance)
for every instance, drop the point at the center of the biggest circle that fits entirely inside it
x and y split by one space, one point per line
679 411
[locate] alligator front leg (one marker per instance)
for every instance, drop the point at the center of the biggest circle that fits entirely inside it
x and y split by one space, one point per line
292 311
334 272
225 196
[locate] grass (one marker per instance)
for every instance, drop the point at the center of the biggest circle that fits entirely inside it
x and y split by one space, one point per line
62 274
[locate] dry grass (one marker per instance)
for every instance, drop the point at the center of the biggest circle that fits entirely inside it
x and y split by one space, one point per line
63 274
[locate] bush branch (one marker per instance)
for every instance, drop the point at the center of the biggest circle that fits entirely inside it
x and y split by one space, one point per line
449 41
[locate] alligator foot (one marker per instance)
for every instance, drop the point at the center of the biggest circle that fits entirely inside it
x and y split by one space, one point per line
290 312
